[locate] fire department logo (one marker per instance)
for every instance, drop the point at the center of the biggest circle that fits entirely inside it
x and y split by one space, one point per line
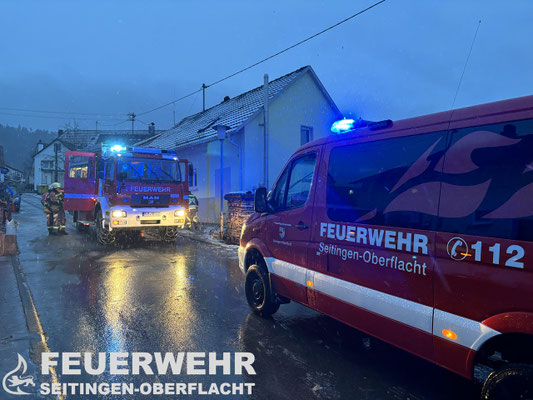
282 232
14 380
457 248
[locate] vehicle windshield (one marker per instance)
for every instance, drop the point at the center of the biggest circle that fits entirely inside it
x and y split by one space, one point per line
148 170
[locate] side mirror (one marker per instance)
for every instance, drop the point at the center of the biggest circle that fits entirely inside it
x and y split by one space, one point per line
260 200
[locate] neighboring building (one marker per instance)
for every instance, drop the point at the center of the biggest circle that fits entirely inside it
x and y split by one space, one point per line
14 175
47 165
44 159
299 110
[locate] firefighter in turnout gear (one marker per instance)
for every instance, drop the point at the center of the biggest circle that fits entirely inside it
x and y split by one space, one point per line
192 215
53 208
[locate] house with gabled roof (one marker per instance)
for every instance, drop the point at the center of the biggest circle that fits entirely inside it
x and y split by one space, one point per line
299 109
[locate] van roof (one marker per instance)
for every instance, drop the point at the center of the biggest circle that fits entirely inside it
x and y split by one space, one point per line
500 111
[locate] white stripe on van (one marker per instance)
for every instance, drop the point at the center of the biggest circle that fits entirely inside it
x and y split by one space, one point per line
470 333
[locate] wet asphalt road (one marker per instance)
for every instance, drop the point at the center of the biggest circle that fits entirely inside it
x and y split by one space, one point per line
154 297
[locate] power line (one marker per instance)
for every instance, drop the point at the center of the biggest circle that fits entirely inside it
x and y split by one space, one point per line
269 57
58 112
299 43
172 102
118 123
46 116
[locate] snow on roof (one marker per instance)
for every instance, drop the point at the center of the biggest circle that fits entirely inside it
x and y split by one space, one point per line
234 113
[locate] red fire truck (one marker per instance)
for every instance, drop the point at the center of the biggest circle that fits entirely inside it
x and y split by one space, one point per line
419 232
127 190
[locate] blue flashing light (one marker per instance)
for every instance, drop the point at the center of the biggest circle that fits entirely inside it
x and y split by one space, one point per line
343 125
117 147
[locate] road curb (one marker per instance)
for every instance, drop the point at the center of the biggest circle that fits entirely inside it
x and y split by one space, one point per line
30 312
204 241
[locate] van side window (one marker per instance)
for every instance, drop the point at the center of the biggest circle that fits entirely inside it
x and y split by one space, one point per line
294 184
391 182
302 173
276 197
488 175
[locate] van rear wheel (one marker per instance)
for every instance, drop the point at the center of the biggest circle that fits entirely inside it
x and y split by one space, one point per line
513 381
258 293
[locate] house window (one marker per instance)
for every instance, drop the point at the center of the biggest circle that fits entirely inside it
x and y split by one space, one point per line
47 164
306 134
193 179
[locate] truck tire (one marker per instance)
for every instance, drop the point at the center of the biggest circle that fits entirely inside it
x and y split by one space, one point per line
258 293
103 236
169 234
512 381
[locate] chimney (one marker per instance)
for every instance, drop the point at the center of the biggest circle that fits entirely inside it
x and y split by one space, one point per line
151 129
40 146
226 98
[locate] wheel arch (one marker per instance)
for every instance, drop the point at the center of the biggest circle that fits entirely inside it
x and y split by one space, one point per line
514 347
254 256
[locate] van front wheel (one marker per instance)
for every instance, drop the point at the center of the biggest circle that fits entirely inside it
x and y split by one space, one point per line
513 381
258 295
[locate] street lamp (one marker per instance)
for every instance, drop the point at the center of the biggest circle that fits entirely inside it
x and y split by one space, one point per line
221 136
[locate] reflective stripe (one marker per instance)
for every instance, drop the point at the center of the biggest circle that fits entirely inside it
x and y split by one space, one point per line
405 311
79 196
470 333
174 195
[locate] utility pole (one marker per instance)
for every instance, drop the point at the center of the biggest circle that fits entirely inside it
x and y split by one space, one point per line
221 136
56 172
203 95
132 119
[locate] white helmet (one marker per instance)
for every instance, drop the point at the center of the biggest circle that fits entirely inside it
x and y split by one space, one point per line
55 185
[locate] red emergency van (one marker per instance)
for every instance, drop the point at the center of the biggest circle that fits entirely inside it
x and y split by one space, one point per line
418 232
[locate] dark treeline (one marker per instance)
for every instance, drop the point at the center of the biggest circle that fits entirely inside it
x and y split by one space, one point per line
20 143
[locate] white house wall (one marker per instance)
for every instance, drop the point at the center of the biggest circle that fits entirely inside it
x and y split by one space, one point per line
205 158
46 178
302 104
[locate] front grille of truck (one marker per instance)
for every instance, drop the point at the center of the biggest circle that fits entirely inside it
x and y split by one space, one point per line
150 199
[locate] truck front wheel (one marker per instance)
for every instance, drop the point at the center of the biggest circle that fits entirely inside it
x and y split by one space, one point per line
103 236
169 234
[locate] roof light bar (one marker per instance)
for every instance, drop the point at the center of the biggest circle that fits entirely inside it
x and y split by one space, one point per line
347 125
343 125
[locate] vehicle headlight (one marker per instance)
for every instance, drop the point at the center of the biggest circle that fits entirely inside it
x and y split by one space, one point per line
179 213
118 214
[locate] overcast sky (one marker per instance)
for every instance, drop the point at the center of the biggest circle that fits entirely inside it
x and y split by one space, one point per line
401 59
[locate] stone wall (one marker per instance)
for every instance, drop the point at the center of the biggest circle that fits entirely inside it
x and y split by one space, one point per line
240 207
